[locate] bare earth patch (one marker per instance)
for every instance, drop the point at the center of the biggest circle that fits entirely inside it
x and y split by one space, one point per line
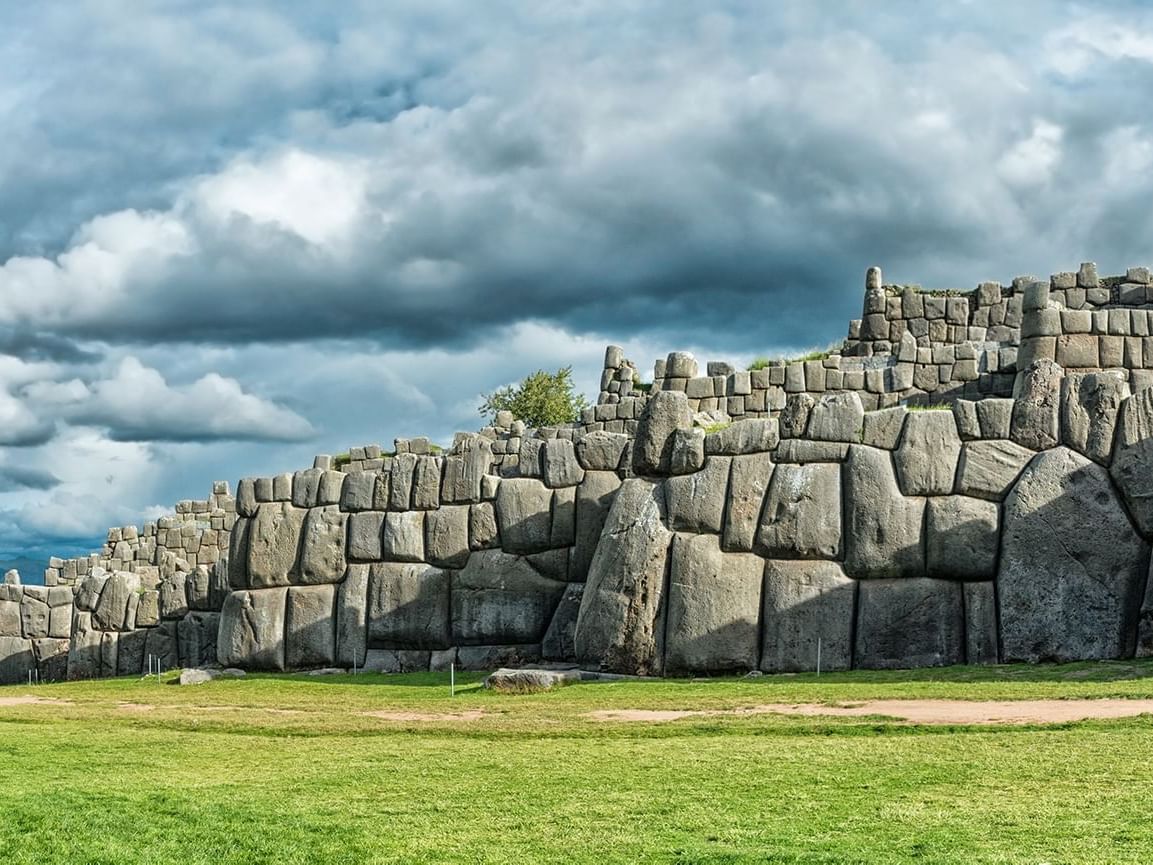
915 711
471 715
29 700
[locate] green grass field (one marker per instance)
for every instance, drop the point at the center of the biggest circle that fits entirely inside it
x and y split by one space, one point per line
294 769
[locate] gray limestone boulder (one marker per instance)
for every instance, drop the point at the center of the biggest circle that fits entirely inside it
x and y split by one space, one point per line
807 602
559 465
408 606
593 501
173 597
749 478
160 642
1133 457
34 618
665 412
196 636
501 599
995 417
1072 570
86 656
116 609
802 513
397 661
352 617
252 629
329 488
909 623
400 479
147 611
16 659
926 459
558 643
51 657
601 451
238 554
1090 404
364 536
529 681
426 478
749 436
205 588
562 533
10 625
309 627
402 539
524 515
1036 422
465 469
246 497
987 469
696 502
688 454
714 601
981 642
446 536
358 492
495 657
882 429
882 532
837 417
89 589
621 625
273 543
483 532
961 538
794 419
306 488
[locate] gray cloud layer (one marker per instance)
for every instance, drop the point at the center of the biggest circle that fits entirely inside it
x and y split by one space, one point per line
312 223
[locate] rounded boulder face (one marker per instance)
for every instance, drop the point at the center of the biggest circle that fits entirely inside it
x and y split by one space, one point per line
665 413
1072 571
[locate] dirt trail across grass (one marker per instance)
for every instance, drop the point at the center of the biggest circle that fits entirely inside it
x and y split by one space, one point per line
915 711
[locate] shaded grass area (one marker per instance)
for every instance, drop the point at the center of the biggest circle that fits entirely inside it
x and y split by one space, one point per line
291 769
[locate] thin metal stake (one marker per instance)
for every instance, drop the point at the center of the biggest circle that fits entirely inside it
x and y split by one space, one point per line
452 679
818 656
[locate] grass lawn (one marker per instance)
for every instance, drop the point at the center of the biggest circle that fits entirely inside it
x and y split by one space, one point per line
293 769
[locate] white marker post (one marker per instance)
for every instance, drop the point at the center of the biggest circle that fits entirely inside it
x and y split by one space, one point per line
452 680
818 656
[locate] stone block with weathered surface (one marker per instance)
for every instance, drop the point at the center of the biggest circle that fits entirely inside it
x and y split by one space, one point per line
883 529
408 606
446 536
499 599
322 546
961 538
1133 456
273 544
714 603
1072 570
1037 410
593 500
802 513
621 627
252 629
987 469
352 617
524 515
915 622
926 458
309 632
665 412
749 477
806 602
696 502
1090 403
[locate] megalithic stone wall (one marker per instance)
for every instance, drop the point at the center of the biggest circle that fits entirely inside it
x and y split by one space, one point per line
965 480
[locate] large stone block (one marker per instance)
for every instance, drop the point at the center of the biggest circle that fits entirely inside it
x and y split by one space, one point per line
749 478
161 644
559 643
961 538
85 659
364 535
749 436
252 629
273 543
500 598
352 617
559 466
926 459
205 588
34 617
837 417
116 609
1132 457
562 533
601 451
358 491
10 619
696 502
51 659
910 623
988 468
593 501
464 470
196 636
322 546
483 532
665 412
621 622
1090 403
309 627
238 554
524 514
1072 570
713 607
882 533
802 513
400 482
981 623
446 536
1037 410
17 658
426 483
403 537
306 488
408 606
807 602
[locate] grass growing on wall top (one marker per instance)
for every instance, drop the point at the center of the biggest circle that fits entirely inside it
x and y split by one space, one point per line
295 769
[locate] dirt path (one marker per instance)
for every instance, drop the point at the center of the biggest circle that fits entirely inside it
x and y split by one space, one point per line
915 711
30 700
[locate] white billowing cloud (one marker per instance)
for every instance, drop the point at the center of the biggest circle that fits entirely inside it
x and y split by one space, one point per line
1077 46
137 404
1031 162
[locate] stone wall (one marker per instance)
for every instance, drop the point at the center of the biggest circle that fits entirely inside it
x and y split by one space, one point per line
965 480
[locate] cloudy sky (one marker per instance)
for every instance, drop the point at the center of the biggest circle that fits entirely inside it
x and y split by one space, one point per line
234 235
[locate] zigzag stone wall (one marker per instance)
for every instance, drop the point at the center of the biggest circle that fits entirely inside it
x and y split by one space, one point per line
966 480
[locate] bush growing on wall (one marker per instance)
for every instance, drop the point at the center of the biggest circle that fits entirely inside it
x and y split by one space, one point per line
541 399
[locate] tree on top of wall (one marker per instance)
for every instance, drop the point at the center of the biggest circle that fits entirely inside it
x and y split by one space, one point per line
541 399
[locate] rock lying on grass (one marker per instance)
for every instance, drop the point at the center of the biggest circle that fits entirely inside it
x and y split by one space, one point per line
529 681
200 676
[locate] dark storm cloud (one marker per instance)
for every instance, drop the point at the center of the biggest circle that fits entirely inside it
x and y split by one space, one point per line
26 478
